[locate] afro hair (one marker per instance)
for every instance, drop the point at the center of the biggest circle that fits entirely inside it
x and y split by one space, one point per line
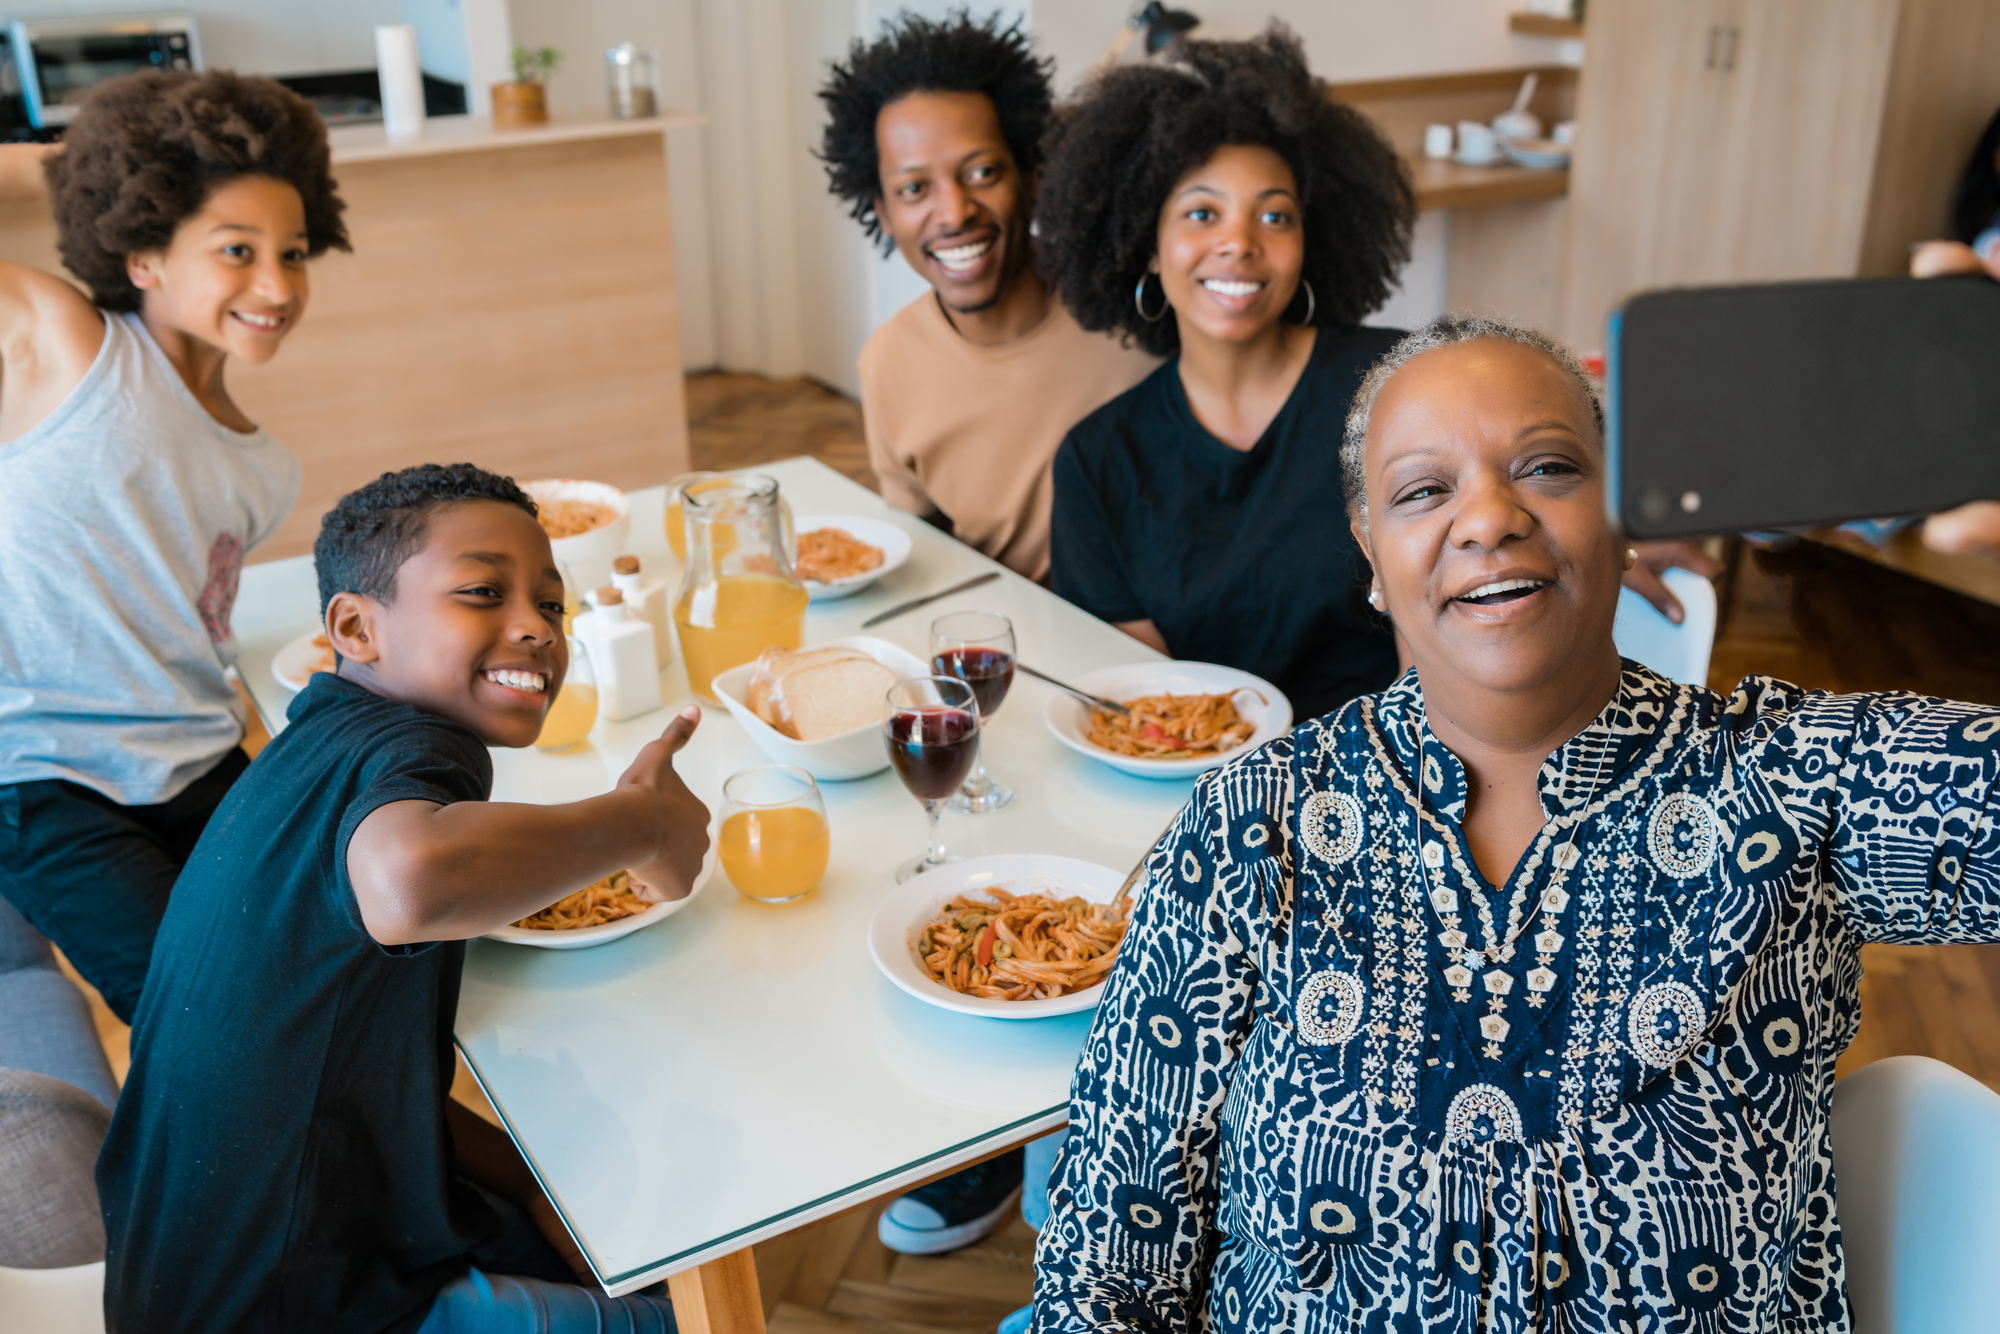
368 534
148 149
920 55
1116 152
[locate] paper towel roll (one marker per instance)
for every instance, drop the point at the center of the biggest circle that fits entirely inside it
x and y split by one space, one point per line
402 81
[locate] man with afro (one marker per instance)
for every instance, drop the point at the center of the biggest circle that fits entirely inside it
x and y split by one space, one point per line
933 137
132 485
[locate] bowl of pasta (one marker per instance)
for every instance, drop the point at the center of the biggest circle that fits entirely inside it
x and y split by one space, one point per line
601 912
1185 717
1012 937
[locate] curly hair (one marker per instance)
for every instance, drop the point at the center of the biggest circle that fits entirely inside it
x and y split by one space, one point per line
147 150
1444 331
368 534
920 55
1115 154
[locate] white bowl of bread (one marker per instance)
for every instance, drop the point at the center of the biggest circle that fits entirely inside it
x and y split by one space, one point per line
820 708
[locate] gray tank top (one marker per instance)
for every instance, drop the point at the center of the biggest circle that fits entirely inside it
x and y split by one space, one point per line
124 518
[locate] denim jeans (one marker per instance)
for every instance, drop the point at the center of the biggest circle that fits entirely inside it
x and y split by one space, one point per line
516 1287
483 1303
94 876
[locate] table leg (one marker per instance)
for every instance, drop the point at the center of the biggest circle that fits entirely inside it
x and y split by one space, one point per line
719 1297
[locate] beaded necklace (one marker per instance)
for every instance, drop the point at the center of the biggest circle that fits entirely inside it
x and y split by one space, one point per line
1548 942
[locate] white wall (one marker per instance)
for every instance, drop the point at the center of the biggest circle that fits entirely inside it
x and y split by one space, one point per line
1346 40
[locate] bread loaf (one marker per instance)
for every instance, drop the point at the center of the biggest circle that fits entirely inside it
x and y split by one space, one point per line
812 694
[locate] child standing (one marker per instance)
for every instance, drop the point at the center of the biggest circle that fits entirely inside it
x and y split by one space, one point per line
285 1155
131 485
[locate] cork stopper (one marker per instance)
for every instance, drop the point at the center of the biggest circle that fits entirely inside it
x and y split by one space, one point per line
610 597
625 565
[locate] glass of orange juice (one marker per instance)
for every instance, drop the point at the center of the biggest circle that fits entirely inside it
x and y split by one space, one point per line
573 712
774 836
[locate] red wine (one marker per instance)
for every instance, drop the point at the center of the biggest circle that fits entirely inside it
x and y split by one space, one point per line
932 749
989 671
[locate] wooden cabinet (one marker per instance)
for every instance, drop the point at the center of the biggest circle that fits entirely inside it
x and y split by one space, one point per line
1725 141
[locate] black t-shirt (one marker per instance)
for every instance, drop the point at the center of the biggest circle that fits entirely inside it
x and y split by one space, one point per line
279 1159
1239 557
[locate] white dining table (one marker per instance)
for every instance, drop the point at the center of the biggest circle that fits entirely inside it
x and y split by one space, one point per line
740 1069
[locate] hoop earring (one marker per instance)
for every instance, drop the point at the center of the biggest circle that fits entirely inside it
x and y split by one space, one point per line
1139 300
1312 304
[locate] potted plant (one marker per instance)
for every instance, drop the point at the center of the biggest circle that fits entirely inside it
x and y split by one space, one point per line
525 101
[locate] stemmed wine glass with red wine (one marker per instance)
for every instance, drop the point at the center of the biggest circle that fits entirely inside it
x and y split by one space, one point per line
933 736
977 647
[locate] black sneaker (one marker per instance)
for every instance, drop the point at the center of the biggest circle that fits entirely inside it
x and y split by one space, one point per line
956 1211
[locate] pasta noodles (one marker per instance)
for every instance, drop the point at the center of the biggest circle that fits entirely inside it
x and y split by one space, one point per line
594 905
1173 727
1021 946
827 554
568 518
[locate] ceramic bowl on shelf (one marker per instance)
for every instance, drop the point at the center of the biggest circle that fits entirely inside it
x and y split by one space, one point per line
1068 718
586 557
855 753
901 917
892 541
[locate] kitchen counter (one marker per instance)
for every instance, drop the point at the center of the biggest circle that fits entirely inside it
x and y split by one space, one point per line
469 134
509 301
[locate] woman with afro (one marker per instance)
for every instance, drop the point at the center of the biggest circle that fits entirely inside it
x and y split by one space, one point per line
131 485
1220 210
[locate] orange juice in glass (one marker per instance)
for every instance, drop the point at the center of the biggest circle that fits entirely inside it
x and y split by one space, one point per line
774 840
573 712
738 595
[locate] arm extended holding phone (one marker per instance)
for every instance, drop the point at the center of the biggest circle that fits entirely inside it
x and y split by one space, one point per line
1796 405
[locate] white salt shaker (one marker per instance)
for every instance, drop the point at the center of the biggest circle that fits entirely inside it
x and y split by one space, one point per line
646 597
621 657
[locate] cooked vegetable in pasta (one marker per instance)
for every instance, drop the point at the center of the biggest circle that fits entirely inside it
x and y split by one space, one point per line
1174 727
594 905
1021 946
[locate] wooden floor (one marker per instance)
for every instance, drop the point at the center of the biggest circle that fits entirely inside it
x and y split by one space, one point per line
1813 616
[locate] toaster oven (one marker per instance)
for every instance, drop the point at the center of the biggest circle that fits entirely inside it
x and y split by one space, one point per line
59 60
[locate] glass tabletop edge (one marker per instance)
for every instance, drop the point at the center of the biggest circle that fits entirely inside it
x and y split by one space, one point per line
1025 1128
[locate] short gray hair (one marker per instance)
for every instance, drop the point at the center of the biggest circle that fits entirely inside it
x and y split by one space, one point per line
1444 331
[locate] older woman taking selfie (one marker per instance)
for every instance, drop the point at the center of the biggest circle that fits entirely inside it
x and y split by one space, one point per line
1508 998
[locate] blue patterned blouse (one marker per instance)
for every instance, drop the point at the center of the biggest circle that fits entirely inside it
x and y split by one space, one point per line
1340 1082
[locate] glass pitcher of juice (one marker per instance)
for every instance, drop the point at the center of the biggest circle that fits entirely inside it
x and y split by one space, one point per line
738 596
676 518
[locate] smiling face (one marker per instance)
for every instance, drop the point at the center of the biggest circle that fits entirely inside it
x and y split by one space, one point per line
1231 246
475 631
234 276
952 197
1486 520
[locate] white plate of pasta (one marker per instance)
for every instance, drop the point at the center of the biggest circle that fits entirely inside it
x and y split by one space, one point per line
1186 717
1016 928
594 904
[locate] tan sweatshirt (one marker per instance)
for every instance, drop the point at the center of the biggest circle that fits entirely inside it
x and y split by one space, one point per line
971 431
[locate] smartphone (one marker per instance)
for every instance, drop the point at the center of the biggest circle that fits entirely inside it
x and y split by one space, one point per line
1801 404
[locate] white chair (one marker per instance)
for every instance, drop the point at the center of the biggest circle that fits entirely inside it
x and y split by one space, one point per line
1916 1161
1677 652
53 1301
